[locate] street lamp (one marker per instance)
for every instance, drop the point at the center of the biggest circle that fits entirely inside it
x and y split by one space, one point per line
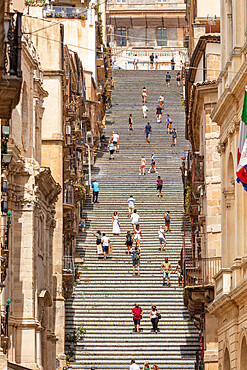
4 206
5 130
6 159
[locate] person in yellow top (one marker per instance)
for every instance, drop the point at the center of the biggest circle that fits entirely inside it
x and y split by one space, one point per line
166 270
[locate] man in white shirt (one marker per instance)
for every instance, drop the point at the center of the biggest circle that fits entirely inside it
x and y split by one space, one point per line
144 110
135 219
115 140
134 366
131 202
105 244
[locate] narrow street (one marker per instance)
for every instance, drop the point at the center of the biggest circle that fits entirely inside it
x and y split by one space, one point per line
107 291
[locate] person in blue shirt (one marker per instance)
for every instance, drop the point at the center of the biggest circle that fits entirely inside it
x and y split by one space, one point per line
95 186
148 131
111 149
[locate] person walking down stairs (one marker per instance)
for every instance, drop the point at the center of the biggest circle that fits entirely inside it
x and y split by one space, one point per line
134 366
136 255
146 366
105 241
166 270
115 224
154 318
137 316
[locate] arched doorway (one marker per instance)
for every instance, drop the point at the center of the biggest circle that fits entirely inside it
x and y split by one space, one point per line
226 365
243 354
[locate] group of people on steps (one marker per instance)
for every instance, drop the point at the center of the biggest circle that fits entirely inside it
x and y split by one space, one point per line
133 238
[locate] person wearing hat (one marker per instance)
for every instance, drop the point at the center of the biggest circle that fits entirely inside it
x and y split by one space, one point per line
162 238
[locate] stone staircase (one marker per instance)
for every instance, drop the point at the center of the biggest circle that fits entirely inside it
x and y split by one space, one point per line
107 290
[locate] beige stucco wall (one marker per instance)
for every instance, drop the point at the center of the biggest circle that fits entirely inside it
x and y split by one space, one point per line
208 8
80 37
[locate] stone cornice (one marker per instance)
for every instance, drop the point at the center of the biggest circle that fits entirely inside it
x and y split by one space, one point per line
58 72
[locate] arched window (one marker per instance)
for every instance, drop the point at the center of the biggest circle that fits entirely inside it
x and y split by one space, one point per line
243 354
226 364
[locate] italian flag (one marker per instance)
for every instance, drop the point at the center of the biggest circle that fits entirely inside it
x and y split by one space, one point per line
242 147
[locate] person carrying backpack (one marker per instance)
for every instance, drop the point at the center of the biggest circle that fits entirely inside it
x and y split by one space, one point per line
136 254
167 217
168 79
159 186
128 241
174 137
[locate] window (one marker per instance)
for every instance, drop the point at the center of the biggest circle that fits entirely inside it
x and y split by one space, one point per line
121 36
161 36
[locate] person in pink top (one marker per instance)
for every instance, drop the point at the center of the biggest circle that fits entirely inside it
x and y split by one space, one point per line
142 166
138 236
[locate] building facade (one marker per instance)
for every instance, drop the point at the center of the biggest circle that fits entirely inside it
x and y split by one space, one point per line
229 303
49 142
202 174
142 27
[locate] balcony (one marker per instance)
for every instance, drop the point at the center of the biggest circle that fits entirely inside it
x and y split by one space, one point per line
65 12
197 170
11 76
68 276
68 195
200 271
199 283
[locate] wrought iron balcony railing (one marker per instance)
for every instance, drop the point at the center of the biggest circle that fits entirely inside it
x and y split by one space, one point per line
12 44
200 271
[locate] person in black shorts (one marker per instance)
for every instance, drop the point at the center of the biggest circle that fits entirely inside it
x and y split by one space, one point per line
159 186
131 128
158 113
128 241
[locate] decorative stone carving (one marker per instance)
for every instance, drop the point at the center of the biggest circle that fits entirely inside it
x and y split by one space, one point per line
221 148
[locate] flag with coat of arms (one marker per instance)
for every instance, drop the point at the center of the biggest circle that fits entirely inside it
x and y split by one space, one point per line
242 147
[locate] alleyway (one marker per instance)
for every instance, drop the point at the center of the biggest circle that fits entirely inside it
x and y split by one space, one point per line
107 291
